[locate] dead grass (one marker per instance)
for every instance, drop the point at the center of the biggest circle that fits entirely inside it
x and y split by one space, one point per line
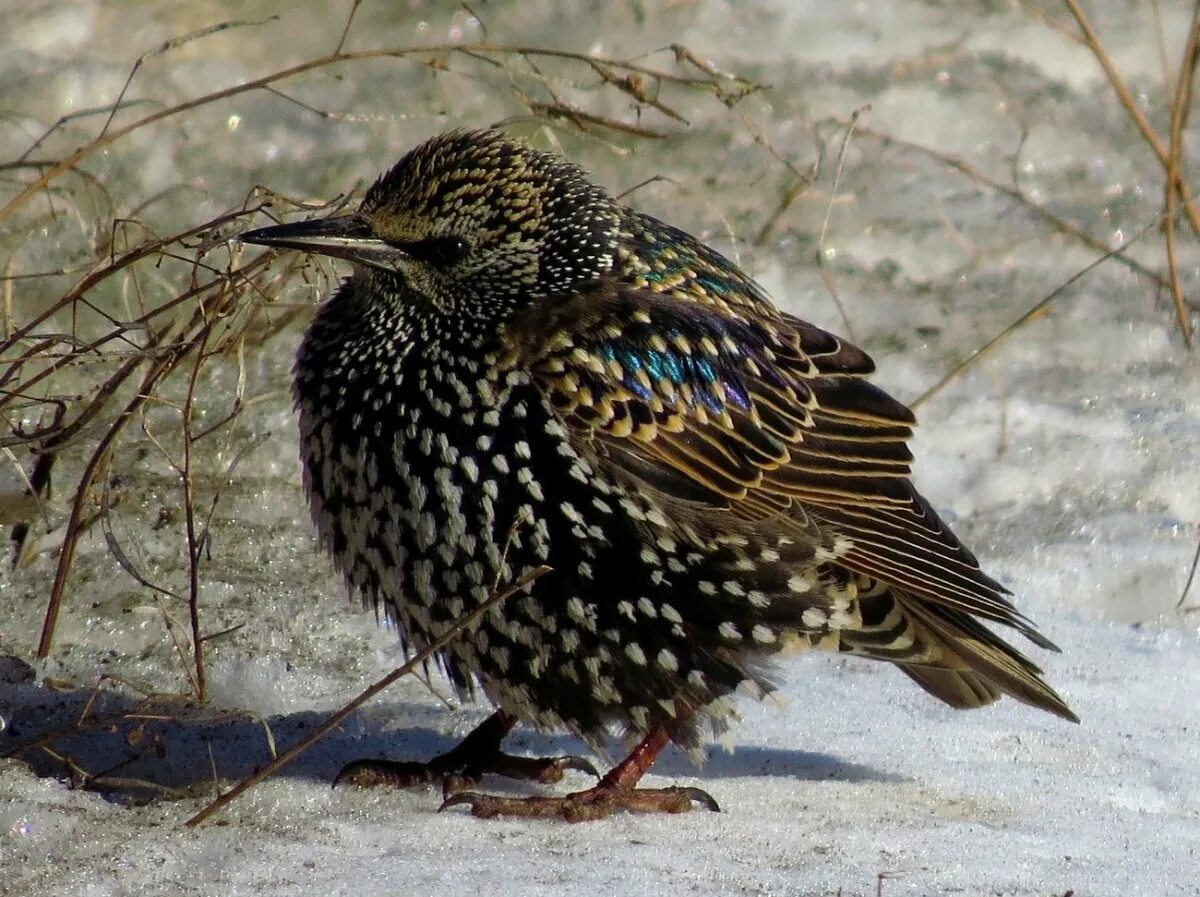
77 377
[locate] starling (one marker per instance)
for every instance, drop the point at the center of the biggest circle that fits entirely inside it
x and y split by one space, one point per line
522 371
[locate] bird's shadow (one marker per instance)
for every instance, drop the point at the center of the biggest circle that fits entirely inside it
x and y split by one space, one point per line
135 750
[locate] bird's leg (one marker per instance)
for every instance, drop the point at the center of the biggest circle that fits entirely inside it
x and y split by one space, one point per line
465 764
616 791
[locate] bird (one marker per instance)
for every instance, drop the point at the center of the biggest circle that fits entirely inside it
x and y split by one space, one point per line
522 372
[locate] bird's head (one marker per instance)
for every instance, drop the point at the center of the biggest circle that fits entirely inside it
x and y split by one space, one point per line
470 221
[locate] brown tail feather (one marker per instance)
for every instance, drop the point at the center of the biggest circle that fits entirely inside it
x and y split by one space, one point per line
962 689
950 654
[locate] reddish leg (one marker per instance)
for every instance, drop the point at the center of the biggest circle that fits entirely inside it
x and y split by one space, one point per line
616 791
463 765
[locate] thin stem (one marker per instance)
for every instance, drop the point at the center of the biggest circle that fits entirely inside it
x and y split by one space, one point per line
340 716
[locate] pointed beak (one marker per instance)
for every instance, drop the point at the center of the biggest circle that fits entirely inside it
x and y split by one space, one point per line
344 236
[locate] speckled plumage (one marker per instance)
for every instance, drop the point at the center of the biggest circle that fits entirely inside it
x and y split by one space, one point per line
523 371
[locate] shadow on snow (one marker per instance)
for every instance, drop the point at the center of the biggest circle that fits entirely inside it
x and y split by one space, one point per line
135 750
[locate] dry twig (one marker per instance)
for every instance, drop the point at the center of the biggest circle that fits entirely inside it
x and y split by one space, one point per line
343 713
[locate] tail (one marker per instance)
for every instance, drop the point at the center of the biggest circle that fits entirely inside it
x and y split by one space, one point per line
948 653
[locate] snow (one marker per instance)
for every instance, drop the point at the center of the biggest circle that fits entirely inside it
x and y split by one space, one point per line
1067 459
815 798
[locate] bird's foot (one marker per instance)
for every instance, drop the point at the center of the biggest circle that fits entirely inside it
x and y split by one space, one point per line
583 806
457 775
464 765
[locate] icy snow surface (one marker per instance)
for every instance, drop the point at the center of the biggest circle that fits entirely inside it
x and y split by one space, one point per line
1068 460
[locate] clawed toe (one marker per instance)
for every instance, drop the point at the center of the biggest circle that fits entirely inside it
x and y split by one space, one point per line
463 767
386 773
703 798
583 806
456 777
546 770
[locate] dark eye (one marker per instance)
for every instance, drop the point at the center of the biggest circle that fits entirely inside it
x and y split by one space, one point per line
438 250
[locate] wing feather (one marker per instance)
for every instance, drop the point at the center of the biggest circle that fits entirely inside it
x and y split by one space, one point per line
762 416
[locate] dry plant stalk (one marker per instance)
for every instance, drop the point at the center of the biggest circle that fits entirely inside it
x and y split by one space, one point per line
130 724
465 623
221 309
140 366
1177 195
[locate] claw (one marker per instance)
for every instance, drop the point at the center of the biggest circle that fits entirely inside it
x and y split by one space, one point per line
579 764
703 798
462 797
